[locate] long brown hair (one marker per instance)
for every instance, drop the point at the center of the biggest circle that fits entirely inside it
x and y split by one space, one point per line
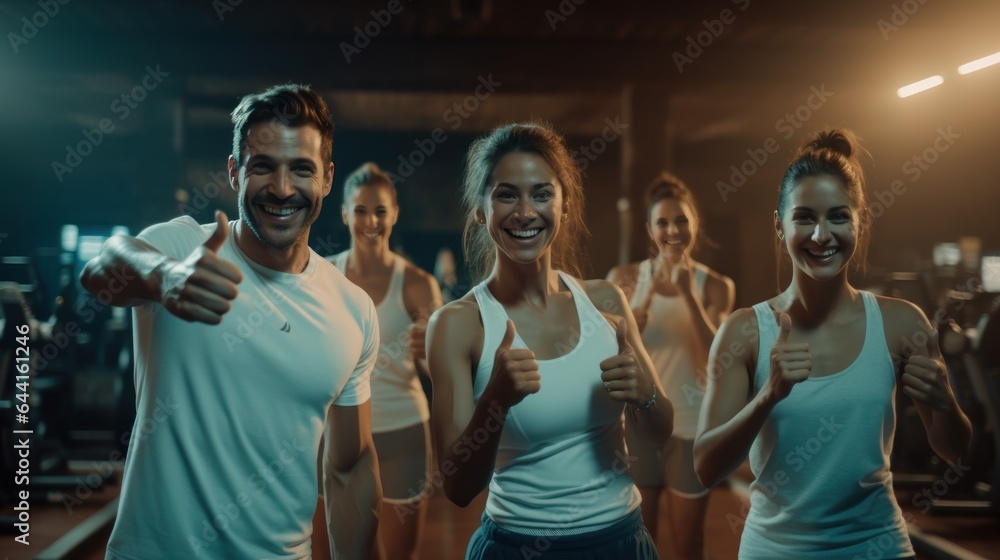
533 138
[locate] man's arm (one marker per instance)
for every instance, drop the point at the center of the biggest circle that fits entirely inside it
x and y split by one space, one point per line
352 490
137 263
133 272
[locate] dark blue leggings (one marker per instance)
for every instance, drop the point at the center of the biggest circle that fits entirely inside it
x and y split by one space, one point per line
625 540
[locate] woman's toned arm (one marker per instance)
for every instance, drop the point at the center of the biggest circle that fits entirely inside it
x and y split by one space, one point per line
466 435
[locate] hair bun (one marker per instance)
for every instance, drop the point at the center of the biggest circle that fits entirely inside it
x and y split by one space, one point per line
371 168
840 141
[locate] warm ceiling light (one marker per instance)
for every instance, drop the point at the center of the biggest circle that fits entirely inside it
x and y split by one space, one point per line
917 87
979 64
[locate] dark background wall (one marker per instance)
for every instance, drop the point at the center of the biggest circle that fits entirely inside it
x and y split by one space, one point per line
762 71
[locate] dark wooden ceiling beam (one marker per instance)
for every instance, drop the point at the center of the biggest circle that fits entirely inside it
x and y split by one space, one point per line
442 64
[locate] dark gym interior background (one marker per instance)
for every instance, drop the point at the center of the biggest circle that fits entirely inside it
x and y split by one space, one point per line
117 114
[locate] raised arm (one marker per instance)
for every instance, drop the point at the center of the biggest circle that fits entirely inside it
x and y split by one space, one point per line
626 278
422 297
631 374
352 491
925 380
457 424
709 310
198 288
730 417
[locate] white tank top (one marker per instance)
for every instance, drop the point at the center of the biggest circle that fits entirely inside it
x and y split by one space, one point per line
670 340
821 461
561 466
398 400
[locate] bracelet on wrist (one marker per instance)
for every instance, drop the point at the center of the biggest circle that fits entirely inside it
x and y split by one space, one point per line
646 405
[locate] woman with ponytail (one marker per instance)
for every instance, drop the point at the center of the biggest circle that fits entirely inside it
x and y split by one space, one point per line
804 382
405 296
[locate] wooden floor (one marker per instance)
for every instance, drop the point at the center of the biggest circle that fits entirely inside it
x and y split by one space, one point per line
51 521
449 527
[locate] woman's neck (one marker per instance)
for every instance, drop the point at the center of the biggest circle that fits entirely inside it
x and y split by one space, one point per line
670 259
513 282
810 302
365 260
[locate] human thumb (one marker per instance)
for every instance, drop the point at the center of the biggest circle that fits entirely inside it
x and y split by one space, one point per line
218 237
786 327
508 337
622 333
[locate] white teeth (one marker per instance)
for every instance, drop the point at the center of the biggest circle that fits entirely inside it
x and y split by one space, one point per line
524 233
372 235
824 254
279 211
673 242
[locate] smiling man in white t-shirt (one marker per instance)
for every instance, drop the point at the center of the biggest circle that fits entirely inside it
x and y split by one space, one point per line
261 350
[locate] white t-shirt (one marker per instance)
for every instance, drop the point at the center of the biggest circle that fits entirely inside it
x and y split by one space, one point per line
222 460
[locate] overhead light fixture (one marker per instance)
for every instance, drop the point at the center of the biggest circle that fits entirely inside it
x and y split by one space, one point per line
917 87
979 64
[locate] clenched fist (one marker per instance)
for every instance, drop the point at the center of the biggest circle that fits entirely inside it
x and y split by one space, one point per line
515 371
202 286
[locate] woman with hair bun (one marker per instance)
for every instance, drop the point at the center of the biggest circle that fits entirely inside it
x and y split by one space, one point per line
678 305
804 382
